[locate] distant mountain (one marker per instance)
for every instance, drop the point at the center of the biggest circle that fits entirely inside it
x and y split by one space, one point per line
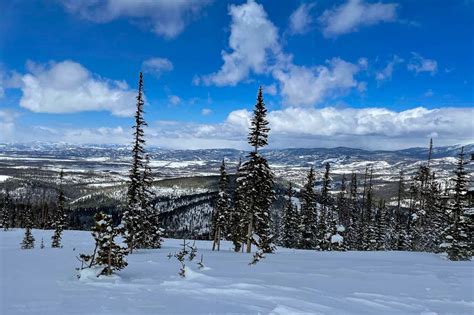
292 156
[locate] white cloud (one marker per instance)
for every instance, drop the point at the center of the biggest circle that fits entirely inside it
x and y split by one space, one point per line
420 64
206 111
301 19
253 40
167 18
174 100
309 86
370 128
68 87
270 89
354 14
157 66
256 48
387 72
7 125
8 80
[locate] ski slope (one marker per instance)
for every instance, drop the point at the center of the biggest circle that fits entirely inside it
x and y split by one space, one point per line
44 281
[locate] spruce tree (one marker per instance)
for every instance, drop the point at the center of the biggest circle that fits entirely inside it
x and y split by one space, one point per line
259 182
240 209
309 215
133 217
290 235
457 237
153 233
325 220
6 211
381 226
221 216
28 240
107 254
60 217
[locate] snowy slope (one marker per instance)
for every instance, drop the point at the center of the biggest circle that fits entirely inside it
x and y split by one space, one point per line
43 281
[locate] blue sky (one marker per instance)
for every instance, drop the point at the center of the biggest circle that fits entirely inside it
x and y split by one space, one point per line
370 74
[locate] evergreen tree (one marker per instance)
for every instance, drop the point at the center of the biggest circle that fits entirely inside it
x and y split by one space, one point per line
151 224
133 216
108 254
259 179
369 222
28 240
290 235
309 215
240 209
6 211
221 215
325 220
381 226
60 217
353 205
457 238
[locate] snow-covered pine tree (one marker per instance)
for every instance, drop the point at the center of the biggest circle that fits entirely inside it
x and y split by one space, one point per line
109 254
240 209
369 222
290 228
457 238
260 183
352 237
6 211
133 217
28 240
325 220
60 219
399 231
309 214
221 215
152 230
381 232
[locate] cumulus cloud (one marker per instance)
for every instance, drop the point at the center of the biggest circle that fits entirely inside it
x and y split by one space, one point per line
256 49
8 80
309 86
371 128
157 66
387 72
419 64
355 14
167 18
253 40
68 87
301 19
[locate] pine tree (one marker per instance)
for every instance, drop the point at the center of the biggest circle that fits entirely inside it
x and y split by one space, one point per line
28 240
369 222
133 217
60 217
381 226
221 215
290 235
151 224
259 182
108 253
6 211
353 205
457 237
240 209
309 215
325 220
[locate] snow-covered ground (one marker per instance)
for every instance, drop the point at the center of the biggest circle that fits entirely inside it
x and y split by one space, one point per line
44 281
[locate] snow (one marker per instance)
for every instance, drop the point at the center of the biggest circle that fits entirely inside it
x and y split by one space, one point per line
4 178
44 281
336 238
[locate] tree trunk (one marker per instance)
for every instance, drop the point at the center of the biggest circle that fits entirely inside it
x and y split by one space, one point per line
249 234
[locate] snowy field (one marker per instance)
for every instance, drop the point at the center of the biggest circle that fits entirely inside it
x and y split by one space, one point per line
44 281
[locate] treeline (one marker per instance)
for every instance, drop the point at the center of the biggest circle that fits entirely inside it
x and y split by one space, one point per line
424 217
